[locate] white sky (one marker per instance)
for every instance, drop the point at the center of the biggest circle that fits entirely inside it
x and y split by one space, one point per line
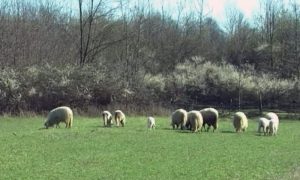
213 8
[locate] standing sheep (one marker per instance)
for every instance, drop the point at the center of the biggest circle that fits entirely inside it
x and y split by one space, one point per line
120 118
274 123
107 118
195 120
271 115
151 122
179 118
263 123
240 122
59 114
210 117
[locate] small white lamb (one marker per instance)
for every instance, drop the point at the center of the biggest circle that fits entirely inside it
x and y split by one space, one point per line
151 122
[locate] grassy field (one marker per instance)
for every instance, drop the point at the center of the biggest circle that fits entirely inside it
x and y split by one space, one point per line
89 151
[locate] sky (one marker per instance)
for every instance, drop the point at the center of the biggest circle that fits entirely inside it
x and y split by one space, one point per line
215 8
212 8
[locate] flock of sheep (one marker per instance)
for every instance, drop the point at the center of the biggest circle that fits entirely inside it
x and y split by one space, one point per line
193 120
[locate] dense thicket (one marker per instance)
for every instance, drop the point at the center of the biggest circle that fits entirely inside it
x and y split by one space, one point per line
104 54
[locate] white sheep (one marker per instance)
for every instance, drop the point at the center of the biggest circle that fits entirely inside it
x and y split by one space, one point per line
107 118
263 123
240 121
210 117
151 122
274 123
120 118
271 115
59 114
179 118
195 120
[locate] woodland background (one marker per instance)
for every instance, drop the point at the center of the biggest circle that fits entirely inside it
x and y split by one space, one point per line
136 58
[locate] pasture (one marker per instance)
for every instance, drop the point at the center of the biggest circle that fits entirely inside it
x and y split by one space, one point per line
90 151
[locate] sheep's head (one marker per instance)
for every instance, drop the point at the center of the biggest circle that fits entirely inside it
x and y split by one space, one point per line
46 124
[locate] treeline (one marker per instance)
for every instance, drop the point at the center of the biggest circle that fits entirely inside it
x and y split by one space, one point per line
106 53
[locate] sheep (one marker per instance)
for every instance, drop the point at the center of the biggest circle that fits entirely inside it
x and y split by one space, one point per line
151 122
210 117
120 118
195 120
240 122
271 115
107 118
179 118
263 123
274 123
59 114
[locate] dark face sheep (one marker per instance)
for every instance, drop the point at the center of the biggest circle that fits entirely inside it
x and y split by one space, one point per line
210 118
60 114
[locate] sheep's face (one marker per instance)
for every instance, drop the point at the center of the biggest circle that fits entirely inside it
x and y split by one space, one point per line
46 124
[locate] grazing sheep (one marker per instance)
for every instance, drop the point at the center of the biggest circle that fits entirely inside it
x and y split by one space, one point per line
179 118
60 114
263 123
210 117
271 115
120 118
195 120
240 122
151 122
274 123
107 118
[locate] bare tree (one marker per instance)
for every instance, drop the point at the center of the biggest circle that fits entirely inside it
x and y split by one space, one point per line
95 26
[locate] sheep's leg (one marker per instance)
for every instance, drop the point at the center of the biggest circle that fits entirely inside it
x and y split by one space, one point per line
203 127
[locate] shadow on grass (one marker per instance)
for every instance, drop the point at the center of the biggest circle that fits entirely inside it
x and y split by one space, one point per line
168 129
228 132
101 126
262 135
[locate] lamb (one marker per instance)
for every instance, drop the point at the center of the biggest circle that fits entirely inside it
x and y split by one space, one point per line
151 122
240 122
274 123
179 118
210 117
107 118
120 118
59 114
195 120
263 123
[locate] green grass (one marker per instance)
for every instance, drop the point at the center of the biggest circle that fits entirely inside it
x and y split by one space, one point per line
89 151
